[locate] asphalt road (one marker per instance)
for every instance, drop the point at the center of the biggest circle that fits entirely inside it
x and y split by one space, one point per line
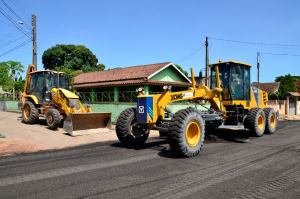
266 167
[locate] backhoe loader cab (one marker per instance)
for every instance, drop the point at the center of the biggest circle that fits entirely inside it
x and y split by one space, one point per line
234 104
46 95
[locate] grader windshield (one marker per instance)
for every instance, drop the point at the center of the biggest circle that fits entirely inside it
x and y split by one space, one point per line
234 79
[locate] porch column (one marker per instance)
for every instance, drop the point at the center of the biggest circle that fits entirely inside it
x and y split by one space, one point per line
116 94
93 92
296 103
287 106
146 89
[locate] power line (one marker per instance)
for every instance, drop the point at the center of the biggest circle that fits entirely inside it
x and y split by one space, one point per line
10 42
7 24
9 18
253 43
191 54
13 12
25 14
15 48
279 54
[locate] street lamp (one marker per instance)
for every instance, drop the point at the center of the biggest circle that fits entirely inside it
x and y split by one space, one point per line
33 27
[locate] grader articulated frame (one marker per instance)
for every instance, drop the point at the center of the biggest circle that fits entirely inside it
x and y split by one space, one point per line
234 104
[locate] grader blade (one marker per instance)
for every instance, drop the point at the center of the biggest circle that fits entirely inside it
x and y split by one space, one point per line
87 123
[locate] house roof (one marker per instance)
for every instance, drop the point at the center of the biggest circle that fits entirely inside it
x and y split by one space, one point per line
291 94
271 86
130 75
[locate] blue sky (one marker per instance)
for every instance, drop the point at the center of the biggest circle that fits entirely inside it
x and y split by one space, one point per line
129 33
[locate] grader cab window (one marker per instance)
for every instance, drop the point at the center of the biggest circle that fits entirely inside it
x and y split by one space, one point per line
224 81
237 84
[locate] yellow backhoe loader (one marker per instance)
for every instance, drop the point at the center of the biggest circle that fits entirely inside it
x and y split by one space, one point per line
46 95
234 104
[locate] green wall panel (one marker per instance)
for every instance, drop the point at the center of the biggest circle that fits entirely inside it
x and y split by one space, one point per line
168 74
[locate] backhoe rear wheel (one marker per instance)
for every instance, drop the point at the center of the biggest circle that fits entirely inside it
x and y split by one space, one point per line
128 131
271 121
186 133
30 113
256 122
53 119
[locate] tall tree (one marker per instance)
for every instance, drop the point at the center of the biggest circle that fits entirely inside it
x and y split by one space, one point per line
15 69
183 71
287 84
71 57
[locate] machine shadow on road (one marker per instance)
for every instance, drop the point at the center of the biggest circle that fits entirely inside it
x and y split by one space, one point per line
40 122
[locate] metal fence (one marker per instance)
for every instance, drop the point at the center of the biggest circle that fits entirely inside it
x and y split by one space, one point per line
9 97
126 96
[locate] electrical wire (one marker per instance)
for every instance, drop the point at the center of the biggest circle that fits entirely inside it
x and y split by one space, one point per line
191 54
24 13
7 24
15 48
10 42
279 54
9 18
253 43
14 13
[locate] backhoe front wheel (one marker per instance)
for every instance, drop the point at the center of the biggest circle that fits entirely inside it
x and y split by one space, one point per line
186 133
128 131
53 119
30 113
256 122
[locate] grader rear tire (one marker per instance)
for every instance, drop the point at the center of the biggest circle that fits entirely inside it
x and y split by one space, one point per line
186 133
256 122
126 132
271 121
30 113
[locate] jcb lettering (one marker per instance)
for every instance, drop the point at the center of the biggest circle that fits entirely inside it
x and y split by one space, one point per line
176 97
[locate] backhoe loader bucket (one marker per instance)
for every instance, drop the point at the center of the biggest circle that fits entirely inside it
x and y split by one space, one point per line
87 123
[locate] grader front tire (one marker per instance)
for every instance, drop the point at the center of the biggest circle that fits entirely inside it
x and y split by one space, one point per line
186 133
256 122
125 131
271 121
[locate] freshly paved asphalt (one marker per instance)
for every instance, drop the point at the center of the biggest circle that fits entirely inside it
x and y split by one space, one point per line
266 167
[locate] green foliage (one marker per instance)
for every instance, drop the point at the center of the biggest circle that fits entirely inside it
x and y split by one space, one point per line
71 76
278 79
10 71
183 71
71 57
114 68
287 84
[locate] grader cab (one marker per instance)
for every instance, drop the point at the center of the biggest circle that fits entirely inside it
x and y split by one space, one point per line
234 104
46 95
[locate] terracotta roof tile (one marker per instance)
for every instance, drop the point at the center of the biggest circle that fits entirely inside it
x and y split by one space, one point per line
294 94
272 86
133 82
129 73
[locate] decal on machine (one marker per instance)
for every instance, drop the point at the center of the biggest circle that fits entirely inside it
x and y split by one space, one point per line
255 92
176 97
141 109
186 95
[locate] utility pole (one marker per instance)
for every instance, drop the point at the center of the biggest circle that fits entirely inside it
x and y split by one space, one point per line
206 64
258 54
34 59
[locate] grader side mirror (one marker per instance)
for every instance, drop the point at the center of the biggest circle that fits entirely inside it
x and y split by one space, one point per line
200 75
238 69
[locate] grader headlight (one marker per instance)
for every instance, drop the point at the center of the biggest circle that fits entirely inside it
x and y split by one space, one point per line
167 87
141 89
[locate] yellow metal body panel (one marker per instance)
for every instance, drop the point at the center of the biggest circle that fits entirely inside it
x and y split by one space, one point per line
235 62
34 98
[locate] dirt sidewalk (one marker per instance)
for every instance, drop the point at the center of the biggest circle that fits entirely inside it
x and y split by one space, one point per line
22 137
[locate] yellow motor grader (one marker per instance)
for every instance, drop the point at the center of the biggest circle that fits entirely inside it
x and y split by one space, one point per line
234 104
46 95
